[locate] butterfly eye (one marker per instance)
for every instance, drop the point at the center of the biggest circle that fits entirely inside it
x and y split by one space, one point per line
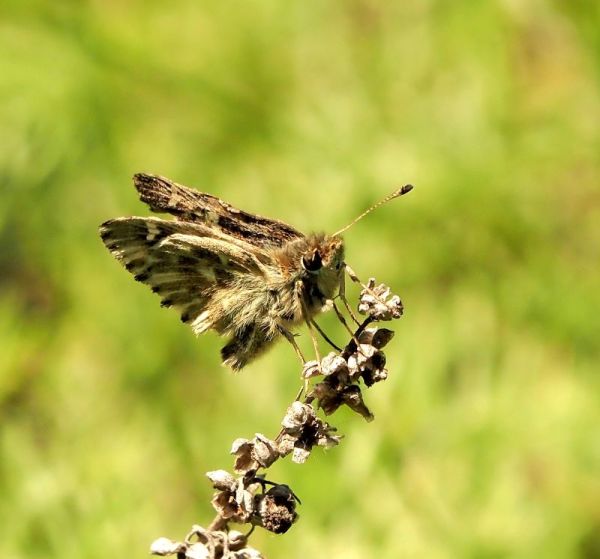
313 262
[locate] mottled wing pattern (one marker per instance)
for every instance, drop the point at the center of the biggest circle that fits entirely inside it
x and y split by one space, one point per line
188 205
184 263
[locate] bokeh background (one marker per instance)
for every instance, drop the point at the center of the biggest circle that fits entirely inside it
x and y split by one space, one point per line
486 442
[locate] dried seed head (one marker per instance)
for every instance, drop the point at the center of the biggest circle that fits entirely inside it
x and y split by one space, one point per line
236 540
198 551
300 454
265 450
333 364
377 337
297 415
352 397
375 301
229 508
311 369
358 359
286 444
206 544
331 397
276 509
244 461
302 431
367 363
222 480
164 546
234 500
260 452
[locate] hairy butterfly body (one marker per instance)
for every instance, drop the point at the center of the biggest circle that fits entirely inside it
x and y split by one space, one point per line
247 277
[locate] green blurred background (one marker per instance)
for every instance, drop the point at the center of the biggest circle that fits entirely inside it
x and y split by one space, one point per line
486 442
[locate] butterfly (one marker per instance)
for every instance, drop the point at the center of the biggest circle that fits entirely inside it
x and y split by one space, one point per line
250 278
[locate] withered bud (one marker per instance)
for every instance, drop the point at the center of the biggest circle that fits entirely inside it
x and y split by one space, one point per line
222 480
331 397
352 397
377 337
333 364
367 363
276 509
376 302
234 500
236 540
206 544
300 454
311 369
228 507
374 369
260 452
302 431
286 444
327 395
198 551
358 359
297 415
164 546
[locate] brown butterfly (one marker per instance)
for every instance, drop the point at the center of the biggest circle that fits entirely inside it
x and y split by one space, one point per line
247 277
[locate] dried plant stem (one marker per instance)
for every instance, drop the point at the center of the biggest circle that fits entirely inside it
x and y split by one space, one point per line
255 501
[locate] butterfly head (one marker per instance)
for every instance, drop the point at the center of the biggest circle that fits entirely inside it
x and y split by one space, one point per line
323 262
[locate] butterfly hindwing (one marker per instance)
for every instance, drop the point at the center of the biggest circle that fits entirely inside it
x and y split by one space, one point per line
181 262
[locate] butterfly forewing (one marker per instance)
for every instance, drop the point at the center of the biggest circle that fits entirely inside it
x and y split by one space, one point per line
165 196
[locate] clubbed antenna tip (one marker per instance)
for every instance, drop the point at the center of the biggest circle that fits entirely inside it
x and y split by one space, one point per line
400 192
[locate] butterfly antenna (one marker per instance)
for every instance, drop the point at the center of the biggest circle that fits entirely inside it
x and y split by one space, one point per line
400 192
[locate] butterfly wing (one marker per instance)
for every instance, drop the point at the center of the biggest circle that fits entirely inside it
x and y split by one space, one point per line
184 263
189 205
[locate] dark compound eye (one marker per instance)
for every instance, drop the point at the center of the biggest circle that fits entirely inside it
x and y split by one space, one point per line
313 262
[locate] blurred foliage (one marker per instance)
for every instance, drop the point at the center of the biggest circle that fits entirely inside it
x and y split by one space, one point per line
486 442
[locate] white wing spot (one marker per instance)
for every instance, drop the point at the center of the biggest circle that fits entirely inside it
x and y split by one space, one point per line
153 232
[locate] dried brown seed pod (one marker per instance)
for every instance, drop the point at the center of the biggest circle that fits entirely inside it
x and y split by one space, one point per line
260 452
276 509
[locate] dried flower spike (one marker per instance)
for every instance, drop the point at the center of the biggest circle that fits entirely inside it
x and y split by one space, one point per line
244 499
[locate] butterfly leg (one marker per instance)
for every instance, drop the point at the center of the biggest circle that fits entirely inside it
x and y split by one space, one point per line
313 338
352 274
342 291
290 338
307 319
324 336
342 319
